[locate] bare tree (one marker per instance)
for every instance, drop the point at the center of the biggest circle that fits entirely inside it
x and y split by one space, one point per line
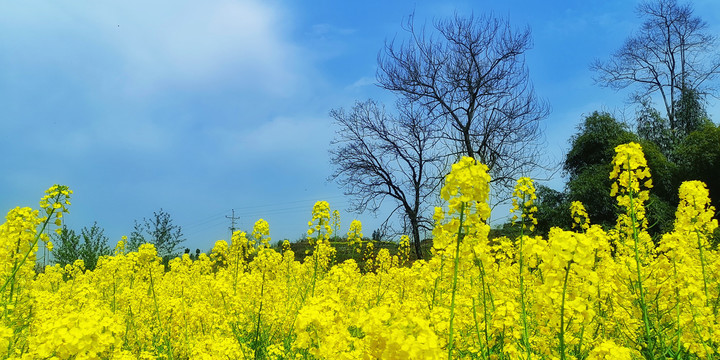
377 155
469 73
671 54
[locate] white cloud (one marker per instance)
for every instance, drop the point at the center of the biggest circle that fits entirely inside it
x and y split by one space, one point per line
168 43
200 41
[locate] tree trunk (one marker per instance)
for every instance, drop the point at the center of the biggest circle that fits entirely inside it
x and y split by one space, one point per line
416 237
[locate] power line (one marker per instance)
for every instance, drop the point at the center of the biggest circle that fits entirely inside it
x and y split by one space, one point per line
232 222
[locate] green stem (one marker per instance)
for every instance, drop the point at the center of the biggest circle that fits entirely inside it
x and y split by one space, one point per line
702 263
677 308
636 240
437 281
315 259
477 328
526 336
238 249
562 313
15 266
257 328
454 287
485 307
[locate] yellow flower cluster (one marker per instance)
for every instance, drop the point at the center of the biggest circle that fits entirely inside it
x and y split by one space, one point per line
321 215
579 215
523 202
695 213
608 350
467 191
404 250
261 233
632 181
467 183
335 221
355 235
55 202
584 294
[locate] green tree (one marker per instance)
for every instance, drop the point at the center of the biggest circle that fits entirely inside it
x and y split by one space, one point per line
651 126
690 115
588 166
378 234
592 188
698 157
595 143
553 209
690 112
67 247
88 246
95 245
159 231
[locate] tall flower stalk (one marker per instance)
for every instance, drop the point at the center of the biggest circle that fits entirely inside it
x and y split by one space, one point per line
631 177
466 190
523 202
19 238
322 230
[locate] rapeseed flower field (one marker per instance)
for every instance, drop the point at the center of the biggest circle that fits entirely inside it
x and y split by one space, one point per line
588 293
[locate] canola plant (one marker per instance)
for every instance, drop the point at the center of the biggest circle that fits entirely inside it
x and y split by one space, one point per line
588 293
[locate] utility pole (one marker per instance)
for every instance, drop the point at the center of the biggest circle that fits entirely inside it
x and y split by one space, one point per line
232 223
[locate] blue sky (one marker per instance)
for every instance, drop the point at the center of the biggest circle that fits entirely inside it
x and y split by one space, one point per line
200 107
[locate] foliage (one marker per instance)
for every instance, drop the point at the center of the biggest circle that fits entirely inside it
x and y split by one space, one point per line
95 245
594 143
587 188
690 112
88 246
652 127
66 246
159 231
378 234
690 116
553 209
698 156
587 164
